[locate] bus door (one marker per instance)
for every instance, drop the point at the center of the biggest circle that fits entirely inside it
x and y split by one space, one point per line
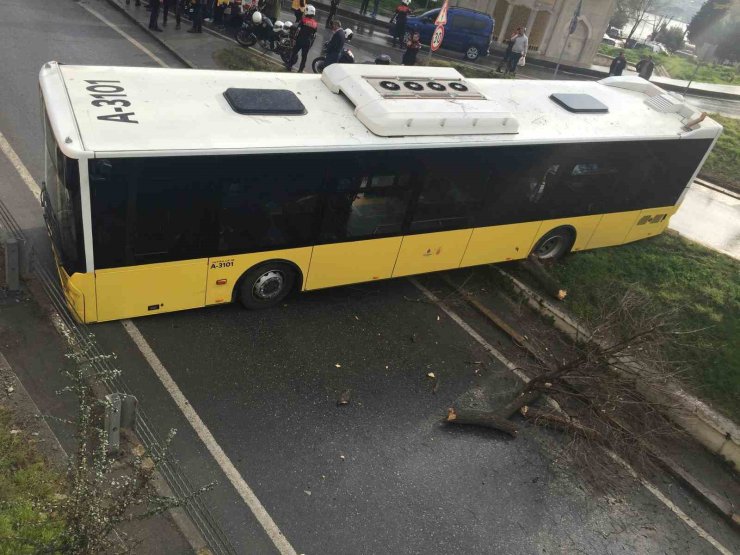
365 206
442 217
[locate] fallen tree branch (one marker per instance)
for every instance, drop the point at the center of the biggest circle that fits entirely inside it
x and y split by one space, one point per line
560 422
535 268
485 419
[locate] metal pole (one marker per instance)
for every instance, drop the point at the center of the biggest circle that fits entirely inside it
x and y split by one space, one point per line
562 51
698 65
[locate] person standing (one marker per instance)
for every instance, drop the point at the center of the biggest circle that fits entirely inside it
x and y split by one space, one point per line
304 35
376 4
412 49
363 7
645 68
618 64
336 44
400 17
166 9
518 50
137 4
218 13
154 15
197 17
332 12
299 7
507 55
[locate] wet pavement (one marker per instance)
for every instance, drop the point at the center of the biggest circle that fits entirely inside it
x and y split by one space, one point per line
710 218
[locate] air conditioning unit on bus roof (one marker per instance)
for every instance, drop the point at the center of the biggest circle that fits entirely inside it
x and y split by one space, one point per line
395 101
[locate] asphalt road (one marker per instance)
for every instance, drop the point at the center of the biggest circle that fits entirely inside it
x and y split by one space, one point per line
381 475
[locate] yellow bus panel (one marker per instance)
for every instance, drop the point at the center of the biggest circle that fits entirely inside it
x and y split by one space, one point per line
224 271
150 288
79 290
612 229
500 243
354 262
584 226
431 252
650 222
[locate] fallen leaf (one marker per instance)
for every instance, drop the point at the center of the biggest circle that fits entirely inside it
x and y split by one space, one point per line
338 365
431 376
14 432
437 317
341 457
344 397
562 293
307 492
356 318
10 389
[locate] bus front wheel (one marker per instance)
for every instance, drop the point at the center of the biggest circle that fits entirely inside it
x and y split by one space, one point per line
555 244
266 285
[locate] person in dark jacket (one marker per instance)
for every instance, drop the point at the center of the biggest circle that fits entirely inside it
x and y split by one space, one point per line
332 12
197 17
507 55
645 68
336 43
399 18
305 32
412 49
154 6
618 64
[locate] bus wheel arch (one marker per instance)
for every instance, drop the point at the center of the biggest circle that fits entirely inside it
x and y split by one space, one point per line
555 244
267 284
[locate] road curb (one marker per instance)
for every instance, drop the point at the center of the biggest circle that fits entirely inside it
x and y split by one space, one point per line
717 188
717 433
171 49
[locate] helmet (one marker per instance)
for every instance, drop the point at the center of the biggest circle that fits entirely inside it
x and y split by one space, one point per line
256 18
405 2
348 34
288 25
383 60
310 10
278 25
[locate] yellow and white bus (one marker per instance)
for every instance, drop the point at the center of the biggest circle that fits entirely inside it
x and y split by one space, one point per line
172 189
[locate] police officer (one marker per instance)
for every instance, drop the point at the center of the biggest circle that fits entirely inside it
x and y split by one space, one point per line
399 18
305 32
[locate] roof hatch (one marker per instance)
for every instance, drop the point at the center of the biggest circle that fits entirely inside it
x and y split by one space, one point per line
394 101
264 102
579 103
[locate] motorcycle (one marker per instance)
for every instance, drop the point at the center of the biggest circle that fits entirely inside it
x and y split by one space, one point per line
346 57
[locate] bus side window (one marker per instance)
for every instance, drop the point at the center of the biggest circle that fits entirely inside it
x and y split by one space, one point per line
377 209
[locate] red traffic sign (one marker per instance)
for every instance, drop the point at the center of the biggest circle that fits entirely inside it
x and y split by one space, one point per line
437 36
442 17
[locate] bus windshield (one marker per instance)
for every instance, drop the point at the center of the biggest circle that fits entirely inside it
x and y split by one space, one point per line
62 206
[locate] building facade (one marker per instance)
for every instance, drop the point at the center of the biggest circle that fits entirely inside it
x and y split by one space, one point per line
547 23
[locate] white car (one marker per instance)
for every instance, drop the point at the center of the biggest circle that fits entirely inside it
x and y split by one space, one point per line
617 43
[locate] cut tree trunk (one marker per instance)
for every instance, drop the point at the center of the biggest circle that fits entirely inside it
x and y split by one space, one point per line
559 422
543 277
485 419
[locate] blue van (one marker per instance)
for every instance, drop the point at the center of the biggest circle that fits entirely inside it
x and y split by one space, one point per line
466 30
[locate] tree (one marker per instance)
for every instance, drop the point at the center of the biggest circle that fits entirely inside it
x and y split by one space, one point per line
620 18
638 9
708 16
672 37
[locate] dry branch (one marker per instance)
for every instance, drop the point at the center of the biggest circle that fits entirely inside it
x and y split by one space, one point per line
535 268
485 419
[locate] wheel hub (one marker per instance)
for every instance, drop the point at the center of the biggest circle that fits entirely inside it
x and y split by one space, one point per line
550 247
268 285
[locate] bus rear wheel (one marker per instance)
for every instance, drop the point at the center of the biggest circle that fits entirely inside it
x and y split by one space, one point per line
266 285
555 244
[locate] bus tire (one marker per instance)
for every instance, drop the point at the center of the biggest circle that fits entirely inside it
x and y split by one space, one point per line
555 244
266 285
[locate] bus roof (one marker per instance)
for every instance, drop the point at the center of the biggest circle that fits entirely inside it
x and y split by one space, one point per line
136 111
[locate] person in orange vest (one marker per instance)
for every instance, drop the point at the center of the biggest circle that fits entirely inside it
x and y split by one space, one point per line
399 18
299 7
305 32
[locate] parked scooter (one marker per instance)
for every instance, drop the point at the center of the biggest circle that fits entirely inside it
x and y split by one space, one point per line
346 57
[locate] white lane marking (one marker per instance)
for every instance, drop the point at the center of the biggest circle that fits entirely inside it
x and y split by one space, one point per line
471 332
511 366
228 468
19 167
125 35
